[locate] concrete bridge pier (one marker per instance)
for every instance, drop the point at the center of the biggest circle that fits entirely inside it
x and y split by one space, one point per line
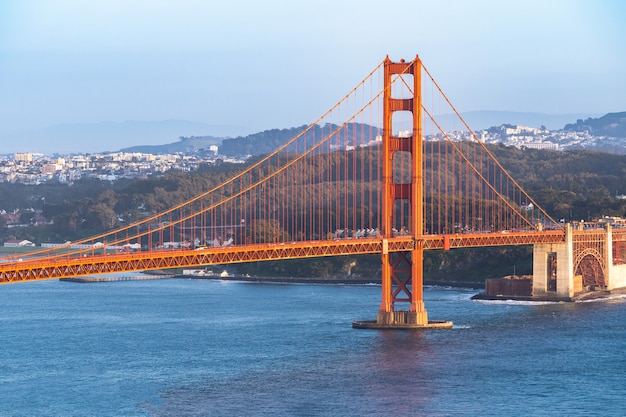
588 261
616 268
553 268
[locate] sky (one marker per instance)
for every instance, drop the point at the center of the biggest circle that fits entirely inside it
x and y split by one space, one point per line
251 65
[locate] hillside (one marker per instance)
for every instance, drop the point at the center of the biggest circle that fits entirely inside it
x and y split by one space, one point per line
267 141
611 124
570 185
263 142
192 144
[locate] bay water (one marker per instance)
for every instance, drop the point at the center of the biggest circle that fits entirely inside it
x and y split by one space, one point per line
182 347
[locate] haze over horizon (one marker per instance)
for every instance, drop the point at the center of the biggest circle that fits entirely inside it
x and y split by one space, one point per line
242 67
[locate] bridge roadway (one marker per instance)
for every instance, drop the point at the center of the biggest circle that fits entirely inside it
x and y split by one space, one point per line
63 266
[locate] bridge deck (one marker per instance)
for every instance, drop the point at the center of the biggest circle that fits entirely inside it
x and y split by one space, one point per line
68 266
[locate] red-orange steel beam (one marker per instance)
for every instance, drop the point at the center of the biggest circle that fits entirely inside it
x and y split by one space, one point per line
393 271
386 303
416 200
491 239
140 261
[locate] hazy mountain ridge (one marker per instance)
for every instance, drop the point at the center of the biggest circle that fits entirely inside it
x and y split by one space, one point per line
269 140
185 145
171 136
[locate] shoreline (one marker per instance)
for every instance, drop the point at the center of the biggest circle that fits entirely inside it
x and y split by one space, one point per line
576 298
269 280
146 276
335 280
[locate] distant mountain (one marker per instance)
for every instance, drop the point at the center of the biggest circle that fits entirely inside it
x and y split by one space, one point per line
169 136
263 142
185 145
107 136
269 140
253 144
611 124
266 141
479 120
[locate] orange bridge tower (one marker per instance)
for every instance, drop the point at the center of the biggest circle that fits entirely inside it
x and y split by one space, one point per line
402 272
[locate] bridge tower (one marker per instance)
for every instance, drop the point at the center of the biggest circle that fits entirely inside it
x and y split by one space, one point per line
402 272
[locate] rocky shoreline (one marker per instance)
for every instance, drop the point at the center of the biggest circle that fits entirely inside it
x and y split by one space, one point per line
577 298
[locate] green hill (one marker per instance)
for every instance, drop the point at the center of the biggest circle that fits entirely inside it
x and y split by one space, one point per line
185 145
611 124
264 142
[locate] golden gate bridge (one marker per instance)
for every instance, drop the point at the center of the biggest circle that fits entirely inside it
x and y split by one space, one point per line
391 169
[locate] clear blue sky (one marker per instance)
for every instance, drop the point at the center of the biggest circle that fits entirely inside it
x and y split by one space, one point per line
280 63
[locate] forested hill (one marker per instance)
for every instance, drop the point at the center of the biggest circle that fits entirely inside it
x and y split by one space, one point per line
269 140
266 141
611 124
571 185
259 143
186 145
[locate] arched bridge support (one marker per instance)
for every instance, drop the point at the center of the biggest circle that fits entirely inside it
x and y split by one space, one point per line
588 260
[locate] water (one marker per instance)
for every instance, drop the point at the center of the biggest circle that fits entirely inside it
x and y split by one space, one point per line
212 348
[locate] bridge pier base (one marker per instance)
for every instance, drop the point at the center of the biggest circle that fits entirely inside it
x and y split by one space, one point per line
402 320
402 317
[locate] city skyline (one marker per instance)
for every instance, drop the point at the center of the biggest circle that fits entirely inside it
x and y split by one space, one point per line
245 66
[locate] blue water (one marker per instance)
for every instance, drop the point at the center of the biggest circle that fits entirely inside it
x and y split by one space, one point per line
212 348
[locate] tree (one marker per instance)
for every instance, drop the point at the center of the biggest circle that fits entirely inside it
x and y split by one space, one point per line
108 198
267 231
101 217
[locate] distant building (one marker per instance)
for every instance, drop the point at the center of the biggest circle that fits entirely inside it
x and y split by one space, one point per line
11 219
614 221
23 157
50 168
16 243
542 145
